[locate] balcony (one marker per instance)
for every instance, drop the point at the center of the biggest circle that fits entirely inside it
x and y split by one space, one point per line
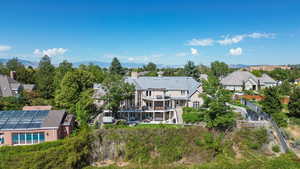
157 98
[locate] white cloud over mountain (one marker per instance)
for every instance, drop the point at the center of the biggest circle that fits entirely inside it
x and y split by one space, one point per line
4 48
50 52
228 40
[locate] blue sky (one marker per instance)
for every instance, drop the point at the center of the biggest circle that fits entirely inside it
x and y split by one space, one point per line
163 31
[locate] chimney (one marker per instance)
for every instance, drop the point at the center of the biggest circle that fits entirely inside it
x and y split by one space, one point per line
134 75
12 74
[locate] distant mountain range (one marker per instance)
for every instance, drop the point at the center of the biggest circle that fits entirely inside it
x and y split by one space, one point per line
25 62
238 66
99 63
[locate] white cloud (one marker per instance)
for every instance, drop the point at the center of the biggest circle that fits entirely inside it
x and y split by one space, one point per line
235 51
4 48
200 42
194 51
256 35
131 59
232 40
238 38
50 52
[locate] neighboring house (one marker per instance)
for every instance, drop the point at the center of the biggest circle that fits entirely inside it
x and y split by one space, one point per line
159 99
244 80
10 87
19 127
268 67
99 92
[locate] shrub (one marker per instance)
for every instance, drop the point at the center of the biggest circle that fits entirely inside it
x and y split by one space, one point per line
252 138
276 148
191 115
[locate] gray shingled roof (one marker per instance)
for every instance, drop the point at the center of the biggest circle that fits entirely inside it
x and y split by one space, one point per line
7 85
54 118
5 89
165 82
238 77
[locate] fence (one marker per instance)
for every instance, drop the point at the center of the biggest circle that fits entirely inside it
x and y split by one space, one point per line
256 113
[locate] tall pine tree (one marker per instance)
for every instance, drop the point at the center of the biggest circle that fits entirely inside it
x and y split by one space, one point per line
294 104
116 67
45 77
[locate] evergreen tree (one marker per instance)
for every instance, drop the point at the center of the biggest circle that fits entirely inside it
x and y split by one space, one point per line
271 104
285 88
44 78
116 67
294 103
219 114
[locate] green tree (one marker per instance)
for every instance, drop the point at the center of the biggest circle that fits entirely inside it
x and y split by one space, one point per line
271 104
22 74
60 72
211 85
117 90
116 67
257 73
3 69
219 68
285 88
11 103
191 70
71 88
44 78
294 103
219 115
280 74
97 72
150 67
85 107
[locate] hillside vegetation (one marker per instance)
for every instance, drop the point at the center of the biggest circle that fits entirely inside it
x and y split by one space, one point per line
142 147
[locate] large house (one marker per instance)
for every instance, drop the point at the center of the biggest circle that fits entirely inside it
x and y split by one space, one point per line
244 80
268 67
23 127
10 87
158 99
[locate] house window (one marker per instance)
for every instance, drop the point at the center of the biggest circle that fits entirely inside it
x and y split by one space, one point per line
148 93
28 138
182 92
196 105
